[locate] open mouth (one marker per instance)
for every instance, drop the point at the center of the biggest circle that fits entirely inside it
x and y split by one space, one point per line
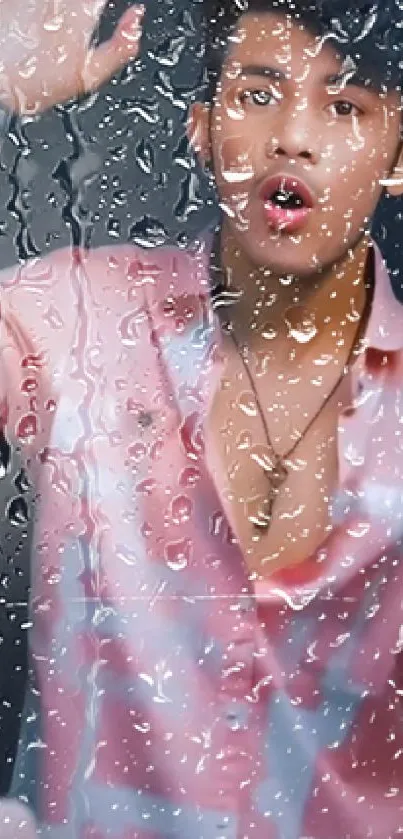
287 199
287 202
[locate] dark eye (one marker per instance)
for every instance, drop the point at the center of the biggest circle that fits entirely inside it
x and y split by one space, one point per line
258 97
343 108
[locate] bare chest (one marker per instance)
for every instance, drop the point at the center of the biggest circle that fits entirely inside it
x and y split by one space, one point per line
239 458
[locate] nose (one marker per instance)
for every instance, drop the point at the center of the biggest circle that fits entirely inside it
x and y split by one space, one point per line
296 137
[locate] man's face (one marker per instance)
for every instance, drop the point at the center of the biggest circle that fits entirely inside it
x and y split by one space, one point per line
298 146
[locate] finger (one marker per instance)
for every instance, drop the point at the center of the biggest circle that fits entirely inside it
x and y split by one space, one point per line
103 62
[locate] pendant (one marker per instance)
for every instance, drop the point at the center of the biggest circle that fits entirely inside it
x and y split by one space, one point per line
278 475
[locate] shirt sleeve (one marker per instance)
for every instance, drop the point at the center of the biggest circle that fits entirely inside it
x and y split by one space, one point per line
25 377
68 302
40 306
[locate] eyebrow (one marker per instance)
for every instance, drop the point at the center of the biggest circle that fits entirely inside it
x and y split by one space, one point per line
262 70
346 78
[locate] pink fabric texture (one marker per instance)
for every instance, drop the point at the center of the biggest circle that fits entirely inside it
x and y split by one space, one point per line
169 696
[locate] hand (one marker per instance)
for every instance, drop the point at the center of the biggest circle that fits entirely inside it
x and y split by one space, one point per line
45 52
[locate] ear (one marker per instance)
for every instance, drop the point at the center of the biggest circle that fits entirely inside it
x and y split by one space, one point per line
198 130
394 183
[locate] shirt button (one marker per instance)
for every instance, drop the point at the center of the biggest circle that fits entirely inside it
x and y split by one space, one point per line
236 715
233 720
223 823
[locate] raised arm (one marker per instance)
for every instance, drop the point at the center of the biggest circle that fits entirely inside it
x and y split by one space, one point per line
46 56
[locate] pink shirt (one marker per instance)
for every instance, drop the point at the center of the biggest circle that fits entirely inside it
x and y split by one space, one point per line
172 698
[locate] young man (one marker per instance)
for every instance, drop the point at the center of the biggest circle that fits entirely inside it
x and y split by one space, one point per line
215 439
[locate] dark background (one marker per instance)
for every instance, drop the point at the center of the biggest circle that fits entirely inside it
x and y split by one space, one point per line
115 167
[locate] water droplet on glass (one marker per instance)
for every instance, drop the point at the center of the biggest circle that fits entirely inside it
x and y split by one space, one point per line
261 456
27 427
119 197
17 511
126 555
52 576
144 155
21 481
189 199
54 23
237 176
163 85
181 508
268 332
303 333
113 227
5 455
169 51
118 153
137 451
148 232
247 404
360 529
178 554
189 476
181 154
148 109
323 360
29 385
244 440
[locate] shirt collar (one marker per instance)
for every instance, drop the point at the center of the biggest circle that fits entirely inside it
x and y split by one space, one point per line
193 356
384 329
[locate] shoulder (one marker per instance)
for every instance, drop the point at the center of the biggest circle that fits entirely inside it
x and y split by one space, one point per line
171 271
45 300
105 290
68 277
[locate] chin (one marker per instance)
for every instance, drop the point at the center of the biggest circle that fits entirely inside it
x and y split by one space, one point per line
288 256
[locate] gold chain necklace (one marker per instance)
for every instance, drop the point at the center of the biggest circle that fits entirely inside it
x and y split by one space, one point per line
277 472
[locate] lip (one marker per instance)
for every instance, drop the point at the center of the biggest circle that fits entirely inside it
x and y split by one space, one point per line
289 183
281 218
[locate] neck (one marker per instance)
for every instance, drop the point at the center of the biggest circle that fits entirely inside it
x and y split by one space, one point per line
281 311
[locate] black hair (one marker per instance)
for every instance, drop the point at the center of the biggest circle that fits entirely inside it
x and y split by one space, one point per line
370 33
